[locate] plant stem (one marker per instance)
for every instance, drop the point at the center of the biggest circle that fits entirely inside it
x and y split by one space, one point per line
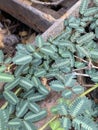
84 93
80 74
90 63
81 59
43 127
9 67
89 90
86 67
17 91
4 105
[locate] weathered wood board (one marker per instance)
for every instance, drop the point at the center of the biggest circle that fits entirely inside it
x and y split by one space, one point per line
38 17
27 14
58 26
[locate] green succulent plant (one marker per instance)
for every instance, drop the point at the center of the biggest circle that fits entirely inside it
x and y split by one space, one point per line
58 60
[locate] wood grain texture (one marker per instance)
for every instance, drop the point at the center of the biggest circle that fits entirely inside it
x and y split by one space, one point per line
58 26
27 14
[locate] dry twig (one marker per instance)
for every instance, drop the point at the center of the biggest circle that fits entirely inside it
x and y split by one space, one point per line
47 3
90 64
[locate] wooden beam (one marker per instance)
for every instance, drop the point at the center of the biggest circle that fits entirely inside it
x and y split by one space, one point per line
58 26
27 14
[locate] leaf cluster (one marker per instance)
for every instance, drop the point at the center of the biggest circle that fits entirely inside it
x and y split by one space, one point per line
78 114
57 60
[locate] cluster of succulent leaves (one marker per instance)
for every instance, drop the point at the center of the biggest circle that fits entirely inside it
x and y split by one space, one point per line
78 115
56 61
82 34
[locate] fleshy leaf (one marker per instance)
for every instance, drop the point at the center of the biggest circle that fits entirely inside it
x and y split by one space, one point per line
4 77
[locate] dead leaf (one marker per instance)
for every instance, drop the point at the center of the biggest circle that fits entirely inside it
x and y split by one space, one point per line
11 40
1 39
23 33
44 82
31 38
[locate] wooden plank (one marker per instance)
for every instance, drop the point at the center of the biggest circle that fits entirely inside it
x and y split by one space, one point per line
55 11
27 14
66 5
58 26
47 10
